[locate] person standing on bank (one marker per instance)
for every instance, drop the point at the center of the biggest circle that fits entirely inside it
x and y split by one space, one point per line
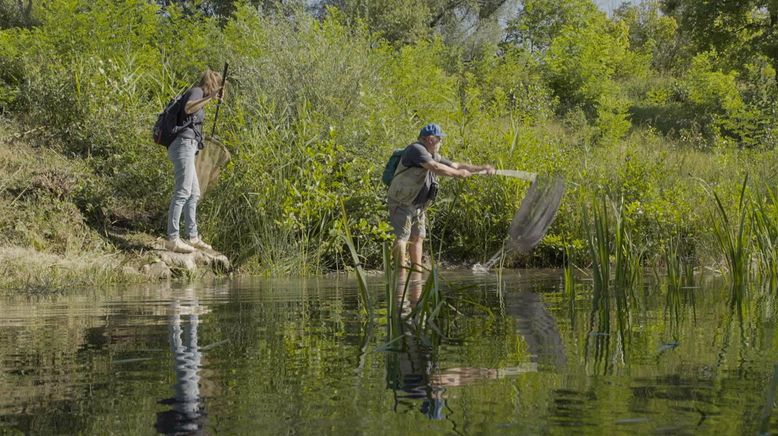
414 186
182 151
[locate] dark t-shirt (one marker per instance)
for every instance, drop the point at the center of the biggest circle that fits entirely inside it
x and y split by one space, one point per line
195 130
414 156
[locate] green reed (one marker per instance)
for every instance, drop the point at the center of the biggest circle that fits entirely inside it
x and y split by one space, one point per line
364 293
765 220
431 303
616 265
733 235
569 284
628 254
679 264
679 279
598 241
619 245
568 274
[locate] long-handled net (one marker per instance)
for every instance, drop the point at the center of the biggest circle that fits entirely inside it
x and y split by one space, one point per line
209 163
211 159
535 215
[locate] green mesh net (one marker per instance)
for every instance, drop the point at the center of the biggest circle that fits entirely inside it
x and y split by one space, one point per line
536 213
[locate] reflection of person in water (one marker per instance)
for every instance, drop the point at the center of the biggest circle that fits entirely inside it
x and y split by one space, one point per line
186 415
413 371
411 367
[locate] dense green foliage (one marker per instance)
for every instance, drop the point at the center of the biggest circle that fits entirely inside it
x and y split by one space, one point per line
638 106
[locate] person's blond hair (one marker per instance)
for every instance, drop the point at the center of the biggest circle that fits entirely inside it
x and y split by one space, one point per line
210 82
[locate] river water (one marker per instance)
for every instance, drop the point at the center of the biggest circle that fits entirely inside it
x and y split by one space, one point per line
515 354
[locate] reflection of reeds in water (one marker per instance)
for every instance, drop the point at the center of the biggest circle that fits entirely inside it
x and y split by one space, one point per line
608 242
609 331
679 279
364 294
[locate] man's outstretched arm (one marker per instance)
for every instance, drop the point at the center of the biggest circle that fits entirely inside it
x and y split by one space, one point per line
445 170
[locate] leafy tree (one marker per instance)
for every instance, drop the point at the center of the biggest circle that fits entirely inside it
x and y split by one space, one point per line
651 33
225 8
407 21
16 13
403 21
719 102
735 29
583 58
540 21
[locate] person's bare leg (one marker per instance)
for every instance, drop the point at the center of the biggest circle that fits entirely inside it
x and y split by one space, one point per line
415 249
398 253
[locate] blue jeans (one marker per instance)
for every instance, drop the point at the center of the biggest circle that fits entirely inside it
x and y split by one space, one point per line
186 192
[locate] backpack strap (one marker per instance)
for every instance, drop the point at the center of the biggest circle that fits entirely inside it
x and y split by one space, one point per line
188 118
396 173
179 129
403 156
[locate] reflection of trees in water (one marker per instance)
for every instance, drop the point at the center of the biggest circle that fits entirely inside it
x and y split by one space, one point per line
413 370
186 414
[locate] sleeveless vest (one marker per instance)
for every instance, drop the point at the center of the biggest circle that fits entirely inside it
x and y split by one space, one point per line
407 183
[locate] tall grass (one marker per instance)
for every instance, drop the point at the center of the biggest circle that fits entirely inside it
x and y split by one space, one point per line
31 272
765 219
628 254
733 234
598 240
616 269
606 241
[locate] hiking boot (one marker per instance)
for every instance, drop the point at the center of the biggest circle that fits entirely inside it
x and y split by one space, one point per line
178 246
199 244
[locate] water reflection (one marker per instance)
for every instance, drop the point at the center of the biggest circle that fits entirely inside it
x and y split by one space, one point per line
411 360
538 328
187 414
414 371
610 331
99 363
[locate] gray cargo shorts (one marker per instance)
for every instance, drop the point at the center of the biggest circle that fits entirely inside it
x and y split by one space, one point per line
408 221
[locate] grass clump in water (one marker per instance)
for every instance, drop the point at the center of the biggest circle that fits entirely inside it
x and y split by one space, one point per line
765 221
733 235
606 242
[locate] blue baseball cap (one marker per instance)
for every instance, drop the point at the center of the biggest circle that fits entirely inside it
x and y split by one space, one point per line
431 129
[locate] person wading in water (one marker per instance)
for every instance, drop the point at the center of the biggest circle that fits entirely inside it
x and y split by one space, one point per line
415 186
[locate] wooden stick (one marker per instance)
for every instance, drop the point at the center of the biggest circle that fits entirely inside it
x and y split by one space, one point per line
523 175
219 103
